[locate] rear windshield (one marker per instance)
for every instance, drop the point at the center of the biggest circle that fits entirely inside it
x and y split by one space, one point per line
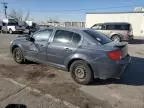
98 36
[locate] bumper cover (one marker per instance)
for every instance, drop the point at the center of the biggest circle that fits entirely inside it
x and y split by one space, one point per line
112 69
126 63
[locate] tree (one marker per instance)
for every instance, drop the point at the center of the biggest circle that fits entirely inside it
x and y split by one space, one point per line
18 15
27 16
53 19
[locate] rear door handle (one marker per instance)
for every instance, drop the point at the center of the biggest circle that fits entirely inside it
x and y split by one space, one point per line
67 50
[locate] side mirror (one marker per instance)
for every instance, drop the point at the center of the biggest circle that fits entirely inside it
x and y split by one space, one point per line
32 39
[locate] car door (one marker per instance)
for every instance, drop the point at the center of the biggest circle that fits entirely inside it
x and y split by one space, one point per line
64 43
41 44
110 29
36 50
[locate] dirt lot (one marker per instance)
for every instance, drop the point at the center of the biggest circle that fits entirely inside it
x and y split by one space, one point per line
51 81
60 85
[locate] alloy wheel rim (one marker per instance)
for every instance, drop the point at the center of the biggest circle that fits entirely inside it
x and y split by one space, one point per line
80 73
116 39
18 55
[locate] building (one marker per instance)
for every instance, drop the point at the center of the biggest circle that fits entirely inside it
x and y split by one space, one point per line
65 24
139 9
136 19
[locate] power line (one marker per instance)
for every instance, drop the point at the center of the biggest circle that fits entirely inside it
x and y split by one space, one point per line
102 8
87 10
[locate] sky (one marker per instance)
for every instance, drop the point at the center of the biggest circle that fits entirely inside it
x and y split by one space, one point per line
69 10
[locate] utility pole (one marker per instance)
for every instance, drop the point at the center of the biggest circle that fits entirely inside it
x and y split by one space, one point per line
5 8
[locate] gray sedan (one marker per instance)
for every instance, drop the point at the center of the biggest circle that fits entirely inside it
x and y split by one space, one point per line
85 53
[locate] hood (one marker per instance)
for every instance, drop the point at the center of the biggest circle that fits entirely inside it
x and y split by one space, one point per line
22 38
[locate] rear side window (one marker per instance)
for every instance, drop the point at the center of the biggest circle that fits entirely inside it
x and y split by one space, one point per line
125 27
76 38
118 27
100 37
62 36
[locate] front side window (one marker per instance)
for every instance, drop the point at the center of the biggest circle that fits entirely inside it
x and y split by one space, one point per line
62 36
12 22
42 35
98 27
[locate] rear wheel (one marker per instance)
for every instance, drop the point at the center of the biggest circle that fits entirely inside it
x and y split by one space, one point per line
81 72
116 38
21 32
10 31
18 55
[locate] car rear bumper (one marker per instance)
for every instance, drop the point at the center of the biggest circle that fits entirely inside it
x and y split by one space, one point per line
131 37
111 69
128 38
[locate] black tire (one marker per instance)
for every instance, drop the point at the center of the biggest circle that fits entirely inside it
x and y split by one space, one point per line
18 55
2 31
10 31
85 73
116 38
20 32
30 33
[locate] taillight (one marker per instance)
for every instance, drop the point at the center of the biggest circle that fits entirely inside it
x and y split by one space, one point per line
115 55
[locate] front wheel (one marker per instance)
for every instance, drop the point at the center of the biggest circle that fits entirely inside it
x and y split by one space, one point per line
18 55
81 72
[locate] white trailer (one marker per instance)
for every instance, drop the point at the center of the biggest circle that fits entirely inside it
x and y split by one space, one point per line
136 19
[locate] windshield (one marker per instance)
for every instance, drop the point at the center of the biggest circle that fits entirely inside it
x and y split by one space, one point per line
98 36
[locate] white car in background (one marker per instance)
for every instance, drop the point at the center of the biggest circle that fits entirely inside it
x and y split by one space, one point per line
11 26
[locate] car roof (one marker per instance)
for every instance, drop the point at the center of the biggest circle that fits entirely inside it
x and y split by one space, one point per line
66 28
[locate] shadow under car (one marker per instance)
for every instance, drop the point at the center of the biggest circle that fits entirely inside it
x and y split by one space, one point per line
133 75
137 41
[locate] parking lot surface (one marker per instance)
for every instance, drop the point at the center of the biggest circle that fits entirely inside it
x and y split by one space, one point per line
49 87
